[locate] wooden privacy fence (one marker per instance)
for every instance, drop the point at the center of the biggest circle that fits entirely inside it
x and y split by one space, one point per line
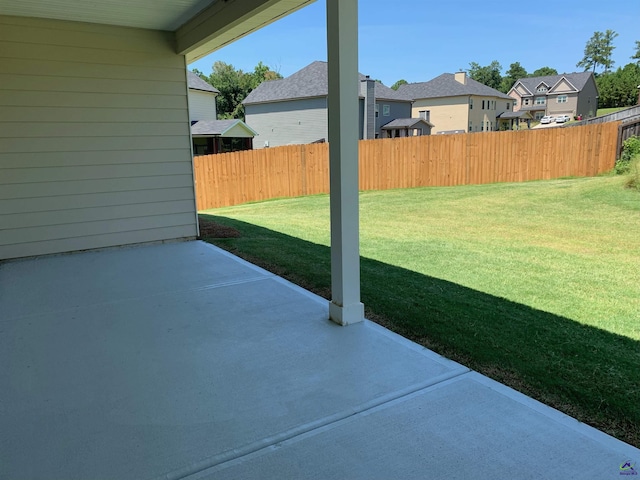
437 160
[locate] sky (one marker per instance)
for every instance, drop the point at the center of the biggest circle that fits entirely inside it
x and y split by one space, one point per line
417 40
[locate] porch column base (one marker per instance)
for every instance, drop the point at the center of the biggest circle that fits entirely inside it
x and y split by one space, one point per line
346 315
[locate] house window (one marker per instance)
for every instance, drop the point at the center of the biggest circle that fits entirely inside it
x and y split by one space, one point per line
562 99
482 104
526 101
470 127
386 110
507 105
541 100
377 109
425 115
470 103
542 89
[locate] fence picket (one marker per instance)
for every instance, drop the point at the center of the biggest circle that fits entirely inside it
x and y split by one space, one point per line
439 160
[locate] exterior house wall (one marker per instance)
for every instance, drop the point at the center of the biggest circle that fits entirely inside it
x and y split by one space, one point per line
396 110
446 113
290 122
587 104
202 105
570 107
94 138
518 100
484 119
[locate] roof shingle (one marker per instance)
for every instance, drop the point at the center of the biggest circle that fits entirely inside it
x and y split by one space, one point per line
196 83
311 81
578 80
446 85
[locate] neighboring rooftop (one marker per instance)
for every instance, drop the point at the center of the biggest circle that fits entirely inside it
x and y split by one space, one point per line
446 85
578 80
405 123
312 81
217 127
196 83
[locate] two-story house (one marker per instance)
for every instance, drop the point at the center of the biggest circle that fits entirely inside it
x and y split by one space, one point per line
455 103
573 94
293 110
208 134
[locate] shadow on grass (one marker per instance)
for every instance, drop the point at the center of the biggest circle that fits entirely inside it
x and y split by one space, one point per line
588 373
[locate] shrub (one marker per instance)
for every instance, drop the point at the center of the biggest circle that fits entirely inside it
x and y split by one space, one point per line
630 151
634 174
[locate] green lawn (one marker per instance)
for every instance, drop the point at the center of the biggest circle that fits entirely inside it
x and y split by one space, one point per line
534 284
607 111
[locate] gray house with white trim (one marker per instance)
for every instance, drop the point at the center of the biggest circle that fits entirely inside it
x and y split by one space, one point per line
293 110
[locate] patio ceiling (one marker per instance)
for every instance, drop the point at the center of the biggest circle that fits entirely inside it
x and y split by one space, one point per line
201 26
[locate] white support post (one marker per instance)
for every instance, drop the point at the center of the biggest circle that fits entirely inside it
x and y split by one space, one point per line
342 48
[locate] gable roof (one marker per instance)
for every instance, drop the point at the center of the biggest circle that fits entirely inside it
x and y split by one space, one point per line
578 80
218 127
406 123
196 83
309 82
446 85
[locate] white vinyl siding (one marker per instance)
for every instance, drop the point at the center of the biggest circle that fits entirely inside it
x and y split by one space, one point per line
290 122
94 138
202 105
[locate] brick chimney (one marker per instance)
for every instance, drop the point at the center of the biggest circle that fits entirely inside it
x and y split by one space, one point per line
461 77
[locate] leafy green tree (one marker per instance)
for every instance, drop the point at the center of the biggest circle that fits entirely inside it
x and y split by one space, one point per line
636 56
544 72
488 75
235 85
598 51
398 84
619 88
511 76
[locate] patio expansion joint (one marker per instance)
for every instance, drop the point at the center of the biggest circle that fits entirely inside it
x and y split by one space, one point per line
222 460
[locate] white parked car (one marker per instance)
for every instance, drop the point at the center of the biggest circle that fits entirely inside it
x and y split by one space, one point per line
562 118
547 119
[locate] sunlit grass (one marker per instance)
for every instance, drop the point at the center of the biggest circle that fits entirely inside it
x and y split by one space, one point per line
536 284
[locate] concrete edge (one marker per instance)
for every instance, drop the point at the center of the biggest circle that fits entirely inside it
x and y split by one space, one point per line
556 415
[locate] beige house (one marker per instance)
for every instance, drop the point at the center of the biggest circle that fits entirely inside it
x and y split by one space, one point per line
455 103
573 94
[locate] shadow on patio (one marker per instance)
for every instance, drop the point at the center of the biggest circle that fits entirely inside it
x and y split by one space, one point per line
486 333
182 361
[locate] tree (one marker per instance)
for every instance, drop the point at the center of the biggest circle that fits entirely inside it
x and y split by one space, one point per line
544 72
488 75
511 76
235 85
398 84
636 56
619 88
598 51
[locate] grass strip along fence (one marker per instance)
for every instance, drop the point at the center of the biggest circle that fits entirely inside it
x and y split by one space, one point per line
428 161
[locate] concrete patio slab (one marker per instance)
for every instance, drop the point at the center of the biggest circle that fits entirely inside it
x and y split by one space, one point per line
182 361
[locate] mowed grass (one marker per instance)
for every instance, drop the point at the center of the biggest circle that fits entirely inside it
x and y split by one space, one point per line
607 111
534 284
